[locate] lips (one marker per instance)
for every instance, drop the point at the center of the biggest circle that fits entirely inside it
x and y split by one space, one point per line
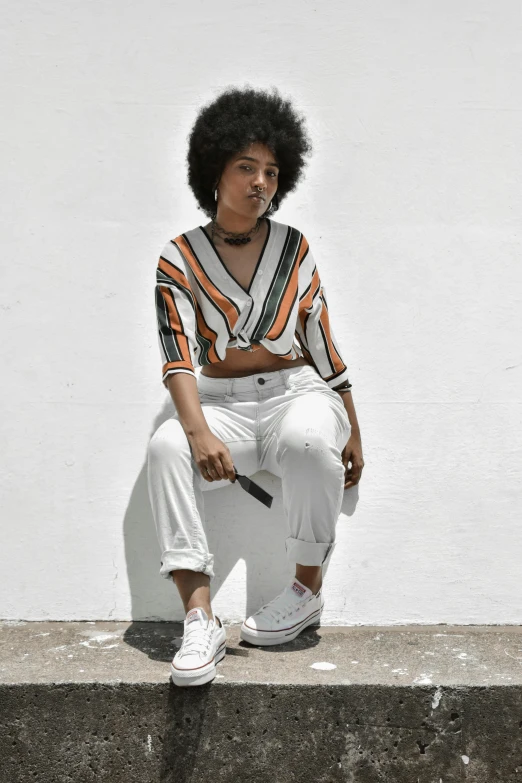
254 195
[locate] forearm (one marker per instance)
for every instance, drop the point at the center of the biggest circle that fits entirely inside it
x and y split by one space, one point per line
185 396
350 410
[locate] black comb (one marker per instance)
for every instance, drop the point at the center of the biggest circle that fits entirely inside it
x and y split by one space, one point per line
254 489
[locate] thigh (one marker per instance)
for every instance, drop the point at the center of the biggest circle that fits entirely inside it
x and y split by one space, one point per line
234 423
308 409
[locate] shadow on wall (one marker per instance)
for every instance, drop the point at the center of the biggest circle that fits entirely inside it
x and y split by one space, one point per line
237 527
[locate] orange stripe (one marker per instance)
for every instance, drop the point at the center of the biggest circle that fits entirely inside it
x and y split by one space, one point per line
215 294
173 272
180 278
175 325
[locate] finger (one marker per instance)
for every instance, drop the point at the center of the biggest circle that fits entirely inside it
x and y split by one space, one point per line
347 456
352 481
228 467
212 473
349 480
358 471
219 470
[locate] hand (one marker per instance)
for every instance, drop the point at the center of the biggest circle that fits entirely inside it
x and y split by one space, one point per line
212 456
352 452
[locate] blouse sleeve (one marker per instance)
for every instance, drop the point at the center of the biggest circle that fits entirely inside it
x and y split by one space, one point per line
175 313
314 329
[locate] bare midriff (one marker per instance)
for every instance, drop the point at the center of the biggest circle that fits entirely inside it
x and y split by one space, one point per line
239 363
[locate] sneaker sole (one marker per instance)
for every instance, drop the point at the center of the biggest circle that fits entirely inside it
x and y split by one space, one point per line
201 677
267 638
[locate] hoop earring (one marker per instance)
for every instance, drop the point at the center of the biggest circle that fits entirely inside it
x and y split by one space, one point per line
215 195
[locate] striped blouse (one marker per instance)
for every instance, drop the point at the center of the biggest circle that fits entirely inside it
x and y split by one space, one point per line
202 309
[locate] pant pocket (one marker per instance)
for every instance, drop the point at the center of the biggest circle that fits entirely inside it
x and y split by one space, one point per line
212 398
307 381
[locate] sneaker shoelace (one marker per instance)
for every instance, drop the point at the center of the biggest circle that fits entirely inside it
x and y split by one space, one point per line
273 612
196 639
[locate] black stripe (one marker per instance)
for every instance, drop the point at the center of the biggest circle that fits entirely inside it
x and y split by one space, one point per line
326 349
167 335
279 284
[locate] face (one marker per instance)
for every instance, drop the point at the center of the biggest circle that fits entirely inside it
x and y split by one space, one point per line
252 170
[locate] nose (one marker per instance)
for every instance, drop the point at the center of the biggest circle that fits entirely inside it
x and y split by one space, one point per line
260 181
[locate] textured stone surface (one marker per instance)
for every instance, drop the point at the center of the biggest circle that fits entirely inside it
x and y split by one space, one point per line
93 702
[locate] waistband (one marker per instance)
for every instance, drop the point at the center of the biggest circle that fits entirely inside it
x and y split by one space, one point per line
256 382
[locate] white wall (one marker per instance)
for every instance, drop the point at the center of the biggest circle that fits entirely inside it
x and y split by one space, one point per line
412 201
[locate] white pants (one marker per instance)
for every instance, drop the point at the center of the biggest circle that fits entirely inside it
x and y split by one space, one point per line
288 422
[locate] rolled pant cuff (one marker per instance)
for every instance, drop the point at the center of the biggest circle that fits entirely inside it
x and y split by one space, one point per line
191 559
306 553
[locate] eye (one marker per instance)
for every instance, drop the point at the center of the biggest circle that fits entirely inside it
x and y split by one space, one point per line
273 173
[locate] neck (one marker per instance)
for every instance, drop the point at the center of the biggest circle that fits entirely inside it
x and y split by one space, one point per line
238 224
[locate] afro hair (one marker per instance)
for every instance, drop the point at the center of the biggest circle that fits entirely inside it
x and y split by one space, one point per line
230 123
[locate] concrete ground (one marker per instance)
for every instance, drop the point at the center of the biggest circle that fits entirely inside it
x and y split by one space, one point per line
92 701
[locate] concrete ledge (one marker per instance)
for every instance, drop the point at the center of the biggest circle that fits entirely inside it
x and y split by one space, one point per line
87 701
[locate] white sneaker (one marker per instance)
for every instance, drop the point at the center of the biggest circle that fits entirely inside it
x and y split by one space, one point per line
285 616
203 646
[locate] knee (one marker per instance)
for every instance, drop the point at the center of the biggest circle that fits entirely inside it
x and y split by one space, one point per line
168 443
